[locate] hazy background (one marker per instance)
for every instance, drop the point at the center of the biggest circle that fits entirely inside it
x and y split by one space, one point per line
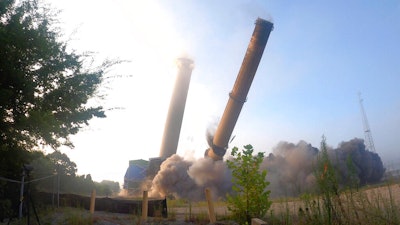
318 57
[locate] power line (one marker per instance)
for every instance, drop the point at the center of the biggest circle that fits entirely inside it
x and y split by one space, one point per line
17 181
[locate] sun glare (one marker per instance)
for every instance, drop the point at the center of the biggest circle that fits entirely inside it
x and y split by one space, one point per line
142 33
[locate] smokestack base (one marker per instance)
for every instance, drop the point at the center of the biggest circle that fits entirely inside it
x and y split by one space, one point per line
216 153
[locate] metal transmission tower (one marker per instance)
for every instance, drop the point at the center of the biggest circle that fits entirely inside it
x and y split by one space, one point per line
367 131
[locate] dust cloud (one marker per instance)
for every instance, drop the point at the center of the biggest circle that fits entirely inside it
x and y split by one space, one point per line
291 169
182 178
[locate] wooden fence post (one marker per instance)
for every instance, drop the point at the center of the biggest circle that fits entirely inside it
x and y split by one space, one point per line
92 201
144 206
211 211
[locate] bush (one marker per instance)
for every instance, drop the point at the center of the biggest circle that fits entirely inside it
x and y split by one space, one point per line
250 197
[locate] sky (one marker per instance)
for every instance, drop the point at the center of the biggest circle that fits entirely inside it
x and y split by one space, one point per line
319 56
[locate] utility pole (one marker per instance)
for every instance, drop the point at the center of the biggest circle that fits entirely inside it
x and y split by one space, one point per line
369 142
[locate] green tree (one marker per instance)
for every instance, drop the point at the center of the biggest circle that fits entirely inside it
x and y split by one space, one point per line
66 170
328 187
250 197
107 188
44 87
81 184
43 167
62 163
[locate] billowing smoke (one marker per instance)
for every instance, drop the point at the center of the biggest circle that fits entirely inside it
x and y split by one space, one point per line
183 178
210 133
291 169
352 158
187 179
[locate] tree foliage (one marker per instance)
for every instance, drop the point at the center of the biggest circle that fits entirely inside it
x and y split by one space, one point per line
59 165
44 86
63 165
250 197
107 188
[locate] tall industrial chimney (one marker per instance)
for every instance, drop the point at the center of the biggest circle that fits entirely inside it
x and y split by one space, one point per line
240 89
176 108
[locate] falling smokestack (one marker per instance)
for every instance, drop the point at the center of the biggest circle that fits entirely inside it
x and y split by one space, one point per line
176 108
240 89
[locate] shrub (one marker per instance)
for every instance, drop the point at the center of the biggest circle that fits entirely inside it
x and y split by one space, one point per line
250 197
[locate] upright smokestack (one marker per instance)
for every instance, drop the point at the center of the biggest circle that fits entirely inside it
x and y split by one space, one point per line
173 124
240 89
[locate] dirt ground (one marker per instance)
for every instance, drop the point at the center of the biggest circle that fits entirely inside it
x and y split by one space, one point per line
73 216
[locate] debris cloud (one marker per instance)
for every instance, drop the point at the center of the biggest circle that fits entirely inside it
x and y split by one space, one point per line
182 178
367 165
291 169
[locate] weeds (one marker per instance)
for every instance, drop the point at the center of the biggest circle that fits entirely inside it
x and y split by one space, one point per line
333 204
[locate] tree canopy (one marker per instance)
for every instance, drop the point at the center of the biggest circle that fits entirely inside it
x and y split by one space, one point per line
59 164
44 88
44 85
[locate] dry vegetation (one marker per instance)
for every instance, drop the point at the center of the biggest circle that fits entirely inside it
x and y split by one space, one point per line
369 205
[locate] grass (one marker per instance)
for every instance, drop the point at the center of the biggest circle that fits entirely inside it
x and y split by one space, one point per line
375 204
196 212
77 216
379 205
334 204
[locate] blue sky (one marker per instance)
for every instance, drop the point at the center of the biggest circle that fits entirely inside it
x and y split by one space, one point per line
319 56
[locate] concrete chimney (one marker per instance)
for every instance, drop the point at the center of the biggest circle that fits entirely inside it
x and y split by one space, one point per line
240 89
176 108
